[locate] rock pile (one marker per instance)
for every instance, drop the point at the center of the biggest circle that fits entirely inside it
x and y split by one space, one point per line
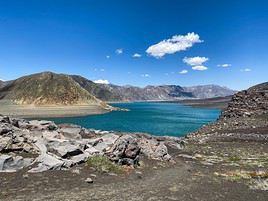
43 145
251 102
244 119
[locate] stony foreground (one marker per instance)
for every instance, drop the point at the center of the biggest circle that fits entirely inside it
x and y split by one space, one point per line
42 145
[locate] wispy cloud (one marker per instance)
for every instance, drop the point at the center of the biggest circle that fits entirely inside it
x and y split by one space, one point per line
183 72
245 70
172 45
145 75
108 56
200 68
136 55
224 65
101 82
119 51
195 61
99 69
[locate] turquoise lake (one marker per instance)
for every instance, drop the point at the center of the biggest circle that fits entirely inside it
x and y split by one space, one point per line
155 118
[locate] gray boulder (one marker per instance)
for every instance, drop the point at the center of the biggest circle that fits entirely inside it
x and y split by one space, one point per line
71 132
47 162
10 163
125 150
154 149
5 128
64 149
41 125
5 142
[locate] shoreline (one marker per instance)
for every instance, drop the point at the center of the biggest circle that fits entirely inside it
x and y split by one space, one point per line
209 103
20 111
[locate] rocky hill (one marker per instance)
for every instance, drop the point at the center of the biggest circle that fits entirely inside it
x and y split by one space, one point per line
244 119
47 89
251 102
1 84
209 91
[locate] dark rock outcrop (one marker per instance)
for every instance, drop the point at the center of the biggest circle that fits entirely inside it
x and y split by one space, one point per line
251 102
245 118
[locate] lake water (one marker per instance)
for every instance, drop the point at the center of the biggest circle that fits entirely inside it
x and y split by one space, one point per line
154 118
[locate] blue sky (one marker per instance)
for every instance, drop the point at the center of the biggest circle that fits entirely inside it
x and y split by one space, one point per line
98 38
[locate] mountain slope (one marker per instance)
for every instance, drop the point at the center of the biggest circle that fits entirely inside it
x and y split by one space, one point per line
131 93
251 102
168 92
1 84
47 89
98 90
209 91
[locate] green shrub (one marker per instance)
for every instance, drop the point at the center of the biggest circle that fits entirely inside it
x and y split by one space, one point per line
103 164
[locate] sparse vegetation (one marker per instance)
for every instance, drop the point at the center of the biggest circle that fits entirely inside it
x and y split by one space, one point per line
234 158
103 164
241 174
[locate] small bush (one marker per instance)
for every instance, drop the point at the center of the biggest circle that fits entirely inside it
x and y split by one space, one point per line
234 158
103 164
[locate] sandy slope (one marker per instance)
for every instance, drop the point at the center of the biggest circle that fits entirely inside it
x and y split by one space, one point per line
6 108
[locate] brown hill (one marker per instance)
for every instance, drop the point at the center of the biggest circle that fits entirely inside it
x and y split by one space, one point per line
47 89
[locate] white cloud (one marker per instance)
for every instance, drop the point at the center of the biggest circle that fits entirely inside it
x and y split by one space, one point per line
183 72
102 70
245 70
195 61
108 57
136 55
101 82
172 45
224 65
145 75
119 51
200 68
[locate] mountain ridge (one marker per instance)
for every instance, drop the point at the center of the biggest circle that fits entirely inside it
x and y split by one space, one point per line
75 89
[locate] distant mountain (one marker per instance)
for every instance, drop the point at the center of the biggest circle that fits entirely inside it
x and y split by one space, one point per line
209 91
111 92
59 89
47 89
164 92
